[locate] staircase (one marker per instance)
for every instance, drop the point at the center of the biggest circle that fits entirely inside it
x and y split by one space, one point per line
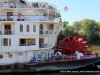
29 5
23 17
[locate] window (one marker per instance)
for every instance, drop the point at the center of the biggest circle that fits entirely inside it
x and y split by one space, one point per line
1 41
27 42
27 28
21 28
9 41
31 41
1 56
41 40
51 27
34 28
10 55
22 42
5 42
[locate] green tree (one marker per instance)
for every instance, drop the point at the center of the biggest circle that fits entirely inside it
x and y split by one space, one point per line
69 30
60 36
65 23
91 29
77 25
88 28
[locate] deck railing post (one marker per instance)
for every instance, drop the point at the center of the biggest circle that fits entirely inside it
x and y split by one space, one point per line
71 57
54 57
63 57
43 58
86 55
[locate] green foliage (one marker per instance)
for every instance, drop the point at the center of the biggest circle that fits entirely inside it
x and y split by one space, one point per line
65 23
91 30
60 36
88 28
68 31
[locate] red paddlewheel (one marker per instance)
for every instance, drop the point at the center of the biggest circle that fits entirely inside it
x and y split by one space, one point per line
70 44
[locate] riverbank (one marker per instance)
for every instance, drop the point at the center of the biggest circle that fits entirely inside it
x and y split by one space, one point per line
95 48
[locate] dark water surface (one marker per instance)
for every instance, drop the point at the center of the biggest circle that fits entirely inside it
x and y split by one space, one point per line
89 70
54 74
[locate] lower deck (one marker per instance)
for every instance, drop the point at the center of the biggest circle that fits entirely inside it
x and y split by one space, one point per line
51 65
21 57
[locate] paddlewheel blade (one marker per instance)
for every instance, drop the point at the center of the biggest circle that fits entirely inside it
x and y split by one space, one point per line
70 44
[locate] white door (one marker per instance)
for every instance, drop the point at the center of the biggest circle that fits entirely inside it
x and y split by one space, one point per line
21 57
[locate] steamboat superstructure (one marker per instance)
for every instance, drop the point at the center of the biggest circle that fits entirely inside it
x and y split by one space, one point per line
27 29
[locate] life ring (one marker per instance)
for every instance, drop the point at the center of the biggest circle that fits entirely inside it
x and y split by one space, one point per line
1 5
19 15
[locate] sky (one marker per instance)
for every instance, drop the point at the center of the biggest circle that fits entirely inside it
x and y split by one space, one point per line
78 9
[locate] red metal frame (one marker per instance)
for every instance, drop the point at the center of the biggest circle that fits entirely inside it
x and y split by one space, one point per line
69 44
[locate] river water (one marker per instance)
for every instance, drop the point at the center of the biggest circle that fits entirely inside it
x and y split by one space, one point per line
55 74
88 70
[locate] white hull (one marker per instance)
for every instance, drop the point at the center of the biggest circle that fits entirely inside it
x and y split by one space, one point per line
18 57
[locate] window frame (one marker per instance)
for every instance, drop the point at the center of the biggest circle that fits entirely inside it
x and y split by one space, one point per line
34 28
27 28
5 42
21 27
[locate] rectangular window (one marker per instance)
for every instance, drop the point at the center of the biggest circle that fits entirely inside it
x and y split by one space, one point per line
31 41
1 41
27 42
34 28
9 41
27 28
5 42
22 42
41 42
21 28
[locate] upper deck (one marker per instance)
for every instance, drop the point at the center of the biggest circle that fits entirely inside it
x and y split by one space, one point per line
6 4
28 10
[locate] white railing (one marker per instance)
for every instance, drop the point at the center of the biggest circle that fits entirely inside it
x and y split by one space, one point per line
52 7
8 5
45 45
47 32
6 32
28 5
69 57
31 44
29 18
